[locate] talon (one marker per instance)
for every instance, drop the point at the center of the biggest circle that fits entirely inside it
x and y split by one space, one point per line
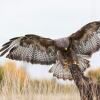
65 65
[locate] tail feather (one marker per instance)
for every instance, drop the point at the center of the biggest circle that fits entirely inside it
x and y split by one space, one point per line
59 72
64 73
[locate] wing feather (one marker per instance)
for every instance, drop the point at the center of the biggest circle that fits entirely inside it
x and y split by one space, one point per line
36 49
83 44
86 41
30 48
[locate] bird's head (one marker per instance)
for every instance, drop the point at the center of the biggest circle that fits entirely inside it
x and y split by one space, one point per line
62 43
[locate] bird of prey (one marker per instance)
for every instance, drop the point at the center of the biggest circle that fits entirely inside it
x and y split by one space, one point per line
74 49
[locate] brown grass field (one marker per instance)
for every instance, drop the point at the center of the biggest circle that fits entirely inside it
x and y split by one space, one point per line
15 84
34 91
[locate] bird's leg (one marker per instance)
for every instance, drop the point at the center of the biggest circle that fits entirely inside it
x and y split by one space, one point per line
67 62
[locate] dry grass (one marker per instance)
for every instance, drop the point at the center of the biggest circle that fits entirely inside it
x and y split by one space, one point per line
94 74
41 97
11 88
16 85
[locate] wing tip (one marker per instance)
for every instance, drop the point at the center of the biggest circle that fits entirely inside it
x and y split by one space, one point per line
6 46
12 39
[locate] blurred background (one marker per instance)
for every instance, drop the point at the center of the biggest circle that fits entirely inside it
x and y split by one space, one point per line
47 18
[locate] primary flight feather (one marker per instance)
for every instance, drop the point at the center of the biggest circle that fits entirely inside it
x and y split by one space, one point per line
75 49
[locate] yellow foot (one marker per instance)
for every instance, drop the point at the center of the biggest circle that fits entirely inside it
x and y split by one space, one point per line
65 65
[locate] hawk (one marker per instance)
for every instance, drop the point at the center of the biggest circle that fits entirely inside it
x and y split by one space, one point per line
74 49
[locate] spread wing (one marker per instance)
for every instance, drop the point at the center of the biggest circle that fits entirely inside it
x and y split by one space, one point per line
36 49
30 48
83 44
86 41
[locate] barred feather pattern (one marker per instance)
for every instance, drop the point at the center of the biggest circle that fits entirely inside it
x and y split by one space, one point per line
36 49
33 53
64 73
89 45
59 71
83 62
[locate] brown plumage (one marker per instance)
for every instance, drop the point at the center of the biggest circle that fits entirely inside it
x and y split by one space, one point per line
76 49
